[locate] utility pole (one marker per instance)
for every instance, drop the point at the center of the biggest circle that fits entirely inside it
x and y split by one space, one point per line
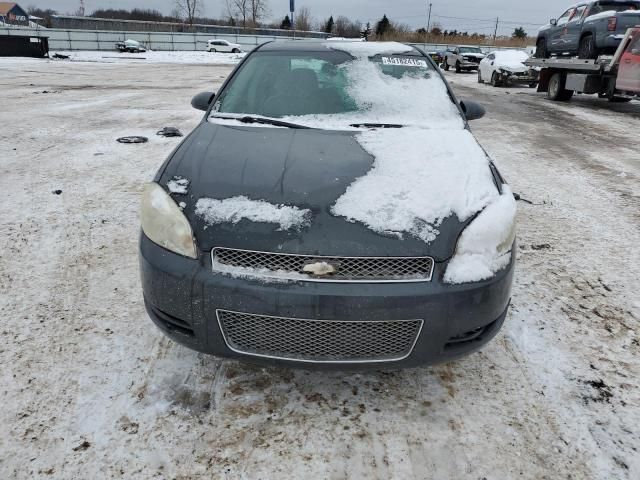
81 9
495 33
429 24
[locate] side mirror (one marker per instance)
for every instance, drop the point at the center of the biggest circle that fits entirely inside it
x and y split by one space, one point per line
553 22
472 110
202 100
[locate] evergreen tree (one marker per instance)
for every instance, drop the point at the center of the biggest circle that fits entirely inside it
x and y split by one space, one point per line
383 26
519 33
328 26
286 23
366 33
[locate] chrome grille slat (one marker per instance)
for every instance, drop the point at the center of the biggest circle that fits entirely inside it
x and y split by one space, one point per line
349 269
318 341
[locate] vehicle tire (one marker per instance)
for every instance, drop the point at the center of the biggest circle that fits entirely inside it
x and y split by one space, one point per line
533 85
480 77
458 69
445 64
587 49
557 92
494 80
235 50
541 49
213 50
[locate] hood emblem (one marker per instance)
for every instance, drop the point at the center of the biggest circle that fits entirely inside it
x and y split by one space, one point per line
320 269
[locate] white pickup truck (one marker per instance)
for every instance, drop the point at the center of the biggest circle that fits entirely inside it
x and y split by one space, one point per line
462 58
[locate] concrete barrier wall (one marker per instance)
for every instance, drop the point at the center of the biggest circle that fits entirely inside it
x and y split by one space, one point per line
61 39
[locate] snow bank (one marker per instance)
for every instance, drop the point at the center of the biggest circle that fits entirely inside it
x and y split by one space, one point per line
178 185
189 57
419 177
480 252
232 210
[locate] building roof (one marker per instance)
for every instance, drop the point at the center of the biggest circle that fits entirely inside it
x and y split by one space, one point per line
6 6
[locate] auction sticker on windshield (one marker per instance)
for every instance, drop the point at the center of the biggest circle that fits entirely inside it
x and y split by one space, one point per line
405 62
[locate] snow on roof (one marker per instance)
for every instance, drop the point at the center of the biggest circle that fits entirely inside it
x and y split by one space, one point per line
369 49
232 210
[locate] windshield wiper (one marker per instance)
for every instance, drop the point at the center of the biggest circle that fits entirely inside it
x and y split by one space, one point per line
376 125
261 120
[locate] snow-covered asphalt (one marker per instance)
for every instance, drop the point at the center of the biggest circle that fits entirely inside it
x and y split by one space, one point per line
91 389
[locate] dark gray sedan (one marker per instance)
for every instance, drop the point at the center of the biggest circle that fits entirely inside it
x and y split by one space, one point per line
331 209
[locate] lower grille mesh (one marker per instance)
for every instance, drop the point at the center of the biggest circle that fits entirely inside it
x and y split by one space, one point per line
319 340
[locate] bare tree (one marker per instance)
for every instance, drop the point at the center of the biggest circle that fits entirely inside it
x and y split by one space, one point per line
303 19
189 9
259 10
346 28
240 9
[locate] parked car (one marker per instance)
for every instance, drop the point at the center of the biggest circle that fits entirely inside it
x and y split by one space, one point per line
437 56
332 208
223 46
588 29
463 58
506 68
130 46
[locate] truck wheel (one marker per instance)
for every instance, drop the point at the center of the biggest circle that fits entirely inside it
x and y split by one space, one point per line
458 69
587 47
557 92
541 49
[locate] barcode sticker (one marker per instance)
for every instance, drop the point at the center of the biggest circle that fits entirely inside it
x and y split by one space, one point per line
404 62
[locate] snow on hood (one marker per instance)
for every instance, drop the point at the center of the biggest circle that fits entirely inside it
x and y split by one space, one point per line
419 178
232 210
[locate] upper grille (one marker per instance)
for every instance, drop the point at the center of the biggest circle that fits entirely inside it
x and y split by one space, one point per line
320 341
350 269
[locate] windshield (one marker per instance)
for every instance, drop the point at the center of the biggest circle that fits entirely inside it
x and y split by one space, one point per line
470 50
346 84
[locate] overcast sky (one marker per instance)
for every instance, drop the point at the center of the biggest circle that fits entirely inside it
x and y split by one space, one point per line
471 15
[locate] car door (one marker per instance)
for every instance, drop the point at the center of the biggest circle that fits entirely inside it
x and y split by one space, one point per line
629 69
487 67
573 29
557 32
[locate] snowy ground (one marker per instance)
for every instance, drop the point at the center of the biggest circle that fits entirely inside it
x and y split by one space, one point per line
91 389
190 57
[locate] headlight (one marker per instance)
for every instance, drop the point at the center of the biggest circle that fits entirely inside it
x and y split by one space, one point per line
485 245
164 223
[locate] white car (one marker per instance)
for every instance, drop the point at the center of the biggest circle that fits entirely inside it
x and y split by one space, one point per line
506 67
223 46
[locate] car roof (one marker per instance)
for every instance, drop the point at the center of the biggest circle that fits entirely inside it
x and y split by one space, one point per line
313 45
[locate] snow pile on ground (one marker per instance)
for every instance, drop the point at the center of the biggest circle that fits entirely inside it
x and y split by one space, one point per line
484 247
419 177
232 210
189 57
178 185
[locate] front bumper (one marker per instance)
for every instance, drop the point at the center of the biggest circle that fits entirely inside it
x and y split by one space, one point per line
182 296
466 65
518 78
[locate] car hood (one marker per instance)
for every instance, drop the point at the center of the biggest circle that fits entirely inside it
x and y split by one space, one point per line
309 169
512 66
473 55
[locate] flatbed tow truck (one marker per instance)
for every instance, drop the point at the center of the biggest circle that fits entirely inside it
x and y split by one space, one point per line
614 77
